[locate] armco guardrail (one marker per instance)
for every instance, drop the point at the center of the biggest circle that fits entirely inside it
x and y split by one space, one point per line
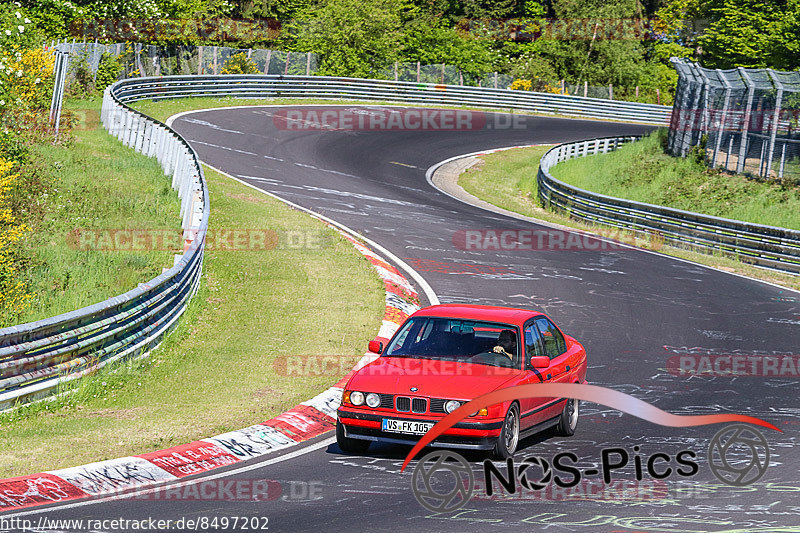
322 87
36 358
765 246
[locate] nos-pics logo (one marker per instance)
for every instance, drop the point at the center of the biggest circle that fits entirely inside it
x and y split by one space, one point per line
443 481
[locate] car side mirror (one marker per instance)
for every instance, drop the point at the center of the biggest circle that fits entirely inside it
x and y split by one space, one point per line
376 346
540 361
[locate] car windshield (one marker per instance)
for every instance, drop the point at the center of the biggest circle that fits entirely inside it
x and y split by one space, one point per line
486 343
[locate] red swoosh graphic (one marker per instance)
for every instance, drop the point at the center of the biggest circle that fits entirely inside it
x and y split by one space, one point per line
590 393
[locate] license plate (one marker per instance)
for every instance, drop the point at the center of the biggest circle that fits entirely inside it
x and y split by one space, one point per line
405 426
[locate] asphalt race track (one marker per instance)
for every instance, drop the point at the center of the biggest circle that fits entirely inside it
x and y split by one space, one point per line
633 310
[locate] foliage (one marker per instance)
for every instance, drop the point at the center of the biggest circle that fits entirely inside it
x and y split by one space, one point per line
430 40
16 28
746 33
82 83
240 64
107 71
535 84
521 85
14 296
352 37
25 75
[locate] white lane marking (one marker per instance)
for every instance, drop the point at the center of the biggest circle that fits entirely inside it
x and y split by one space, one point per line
212 126
423 284
404 165
510 214
222 147
239 470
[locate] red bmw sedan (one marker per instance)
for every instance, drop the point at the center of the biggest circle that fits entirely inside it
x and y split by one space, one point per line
446 355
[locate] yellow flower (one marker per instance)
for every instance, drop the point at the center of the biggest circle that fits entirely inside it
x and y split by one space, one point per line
14 296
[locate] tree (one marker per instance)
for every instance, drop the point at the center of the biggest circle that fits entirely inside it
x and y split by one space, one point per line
270 9
352 37
596 49
737 33
430 40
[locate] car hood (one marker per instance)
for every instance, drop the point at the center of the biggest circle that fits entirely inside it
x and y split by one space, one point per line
432 378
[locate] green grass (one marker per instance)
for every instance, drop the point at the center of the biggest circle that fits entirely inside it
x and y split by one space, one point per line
643 172
507 179
215 372
93 183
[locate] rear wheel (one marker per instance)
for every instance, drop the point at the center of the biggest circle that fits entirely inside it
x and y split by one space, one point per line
347 444
509 434
568 420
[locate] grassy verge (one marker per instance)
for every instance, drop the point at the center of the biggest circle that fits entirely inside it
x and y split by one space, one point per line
216 371
90 185
643 172
508 179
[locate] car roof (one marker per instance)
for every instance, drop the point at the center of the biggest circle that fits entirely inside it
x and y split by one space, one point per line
489 313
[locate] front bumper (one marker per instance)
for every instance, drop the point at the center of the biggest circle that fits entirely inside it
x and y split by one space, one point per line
464 435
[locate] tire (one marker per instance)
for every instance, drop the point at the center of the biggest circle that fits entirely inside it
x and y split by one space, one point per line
508 439
347 444
568 420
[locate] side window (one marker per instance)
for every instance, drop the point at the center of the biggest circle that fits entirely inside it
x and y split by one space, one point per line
553 341
533 342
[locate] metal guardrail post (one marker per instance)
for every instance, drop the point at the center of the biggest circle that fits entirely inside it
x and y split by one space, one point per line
746 125
775 118
724 118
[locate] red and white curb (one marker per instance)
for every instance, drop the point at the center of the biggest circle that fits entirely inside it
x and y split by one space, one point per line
300 423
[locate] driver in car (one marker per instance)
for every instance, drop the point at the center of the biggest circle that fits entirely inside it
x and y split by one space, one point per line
506 344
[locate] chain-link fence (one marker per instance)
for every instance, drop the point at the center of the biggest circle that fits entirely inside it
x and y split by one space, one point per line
148 60
746 120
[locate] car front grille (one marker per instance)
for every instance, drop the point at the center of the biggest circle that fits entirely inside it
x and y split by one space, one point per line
419 405
387 401
437 405
403 404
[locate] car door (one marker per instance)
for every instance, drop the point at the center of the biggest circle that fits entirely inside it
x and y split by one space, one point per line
560 370
531 408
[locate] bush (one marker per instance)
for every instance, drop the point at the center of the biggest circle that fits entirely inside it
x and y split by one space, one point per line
24 78
82 84
107 71
14 297
239 64
535 84
521 85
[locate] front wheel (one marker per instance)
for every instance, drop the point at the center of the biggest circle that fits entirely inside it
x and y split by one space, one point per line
507 442
568 420
347 444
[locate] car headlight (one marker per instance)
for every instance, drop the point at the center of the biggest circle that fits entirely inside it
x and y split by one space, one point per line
373 400
451 406
357 398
